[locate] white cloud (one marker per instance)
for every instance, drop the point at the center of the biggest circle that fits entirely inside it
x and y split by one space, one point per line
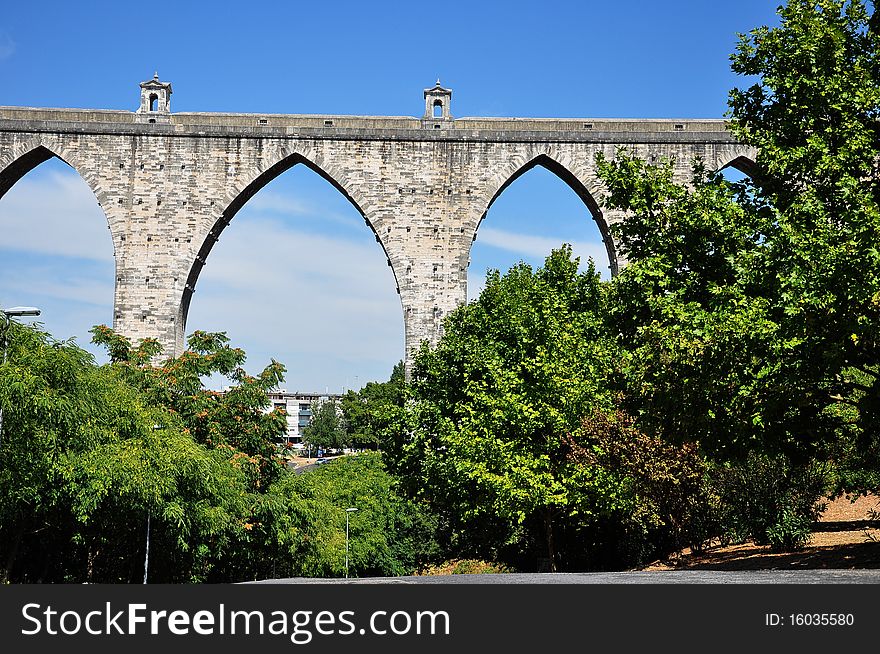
324 306
538 247
264 252
475 285
267 203
44 282
55 214
56 253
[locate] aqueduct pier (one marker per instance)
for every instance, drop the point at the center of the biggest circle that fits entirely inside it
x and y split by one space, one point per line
169 183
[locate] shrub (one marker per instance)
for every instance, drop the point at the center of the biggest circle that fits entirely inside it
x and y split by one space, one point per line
790 532
665 502
465 567
770 500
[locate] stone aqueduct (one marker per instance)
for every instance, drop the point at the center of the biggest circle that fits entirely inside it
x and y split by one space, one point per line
169 183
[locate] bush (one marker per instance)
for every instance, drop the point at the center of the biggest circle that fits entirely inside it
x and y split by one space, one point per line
770 500
664 502
790 532
465 567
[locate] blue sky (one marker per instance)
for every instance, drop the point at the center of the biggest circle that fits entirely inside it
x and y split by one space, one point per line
551 59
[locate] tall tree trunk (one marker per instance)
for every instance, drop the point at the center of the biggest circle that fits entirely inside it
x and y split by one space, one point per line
551 545
90 562
13 554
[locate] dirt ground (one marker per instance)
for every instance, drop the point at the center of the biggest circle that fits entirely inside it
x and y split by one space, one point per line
847 536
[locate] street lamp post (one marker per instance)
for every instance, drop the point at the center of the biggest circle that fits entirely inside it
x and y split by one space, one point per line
147 550
5 315
347 511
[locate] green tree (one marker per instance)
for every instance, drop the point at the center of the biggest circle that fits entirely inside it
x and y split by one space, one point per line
483 437
87 460
753 307
234 425
235 421
702 346
326 429
661 500
365 411
53 399
389 535
819 145
92 453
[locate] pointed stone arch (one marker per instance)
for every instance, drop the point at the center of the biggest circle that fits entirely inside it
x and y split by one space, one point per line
742 159
580 180
19 160
23 156
282 161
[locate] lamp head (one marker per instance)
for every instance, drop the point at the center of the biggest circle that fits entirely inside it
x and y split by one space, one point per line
15 312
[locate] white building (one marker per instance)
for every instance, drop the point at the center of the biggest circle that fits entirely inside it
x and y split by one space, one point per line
298 407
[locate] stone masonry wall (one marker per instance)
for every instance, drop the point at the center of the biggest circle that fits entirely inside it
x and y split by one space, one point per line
169 189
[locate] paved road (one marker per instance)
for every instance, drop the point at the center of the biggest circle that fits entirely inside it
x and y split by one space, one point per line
302 469
309 466
658 577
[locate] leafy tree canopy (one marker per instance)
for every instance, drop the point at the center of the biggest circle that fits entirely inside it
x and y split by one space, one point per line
483 437
235 420
752 307
365 411
327 428
389 535
86 460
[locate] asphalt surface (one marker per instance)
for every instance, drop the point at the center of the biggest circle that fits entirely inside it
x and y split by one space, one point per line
301 469
656 577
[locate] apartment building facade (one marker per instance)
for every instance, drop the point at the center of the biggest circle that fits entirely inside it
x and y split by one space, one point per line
298 407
